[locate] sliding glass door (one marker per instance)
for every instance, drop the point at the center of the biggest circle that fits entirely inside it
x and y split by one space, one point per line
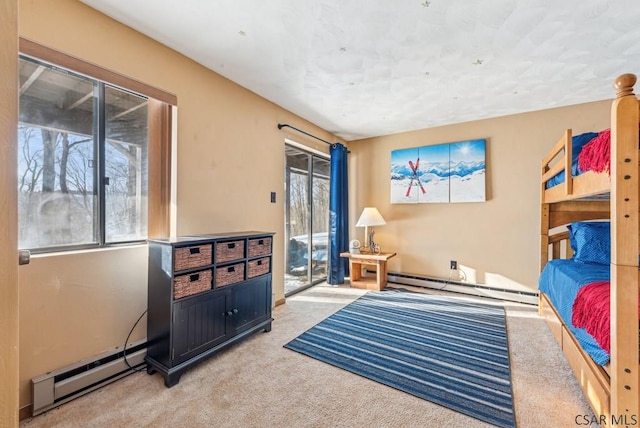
306 219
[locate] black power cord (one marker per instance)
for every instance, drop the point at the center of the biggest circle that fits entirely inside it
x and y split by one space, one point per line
124 351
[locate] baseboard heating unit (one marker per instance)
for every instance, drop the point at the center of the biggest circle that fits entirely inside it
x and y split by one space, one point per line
60 386
521 296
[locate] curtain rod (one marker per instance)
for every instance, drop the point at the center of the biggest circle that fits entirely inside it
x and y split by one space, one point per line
284 125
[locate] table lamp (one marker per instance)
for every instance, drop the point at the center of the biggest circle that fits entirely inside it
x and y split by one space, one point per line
369 217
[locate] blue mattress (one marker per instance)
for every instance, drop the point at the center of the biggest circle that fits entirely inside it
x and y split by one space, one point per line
559 177
577 143
561 280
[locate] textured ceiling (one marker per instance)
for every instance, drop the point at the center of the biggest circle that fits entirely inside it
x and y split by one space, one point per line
362 68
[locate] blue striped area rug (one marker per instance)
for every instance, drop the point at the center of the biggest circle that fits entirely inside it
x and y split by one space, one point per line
445 350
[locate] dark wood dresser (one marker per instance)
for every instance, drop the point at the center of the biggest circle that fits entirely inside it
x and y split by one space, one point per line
205 293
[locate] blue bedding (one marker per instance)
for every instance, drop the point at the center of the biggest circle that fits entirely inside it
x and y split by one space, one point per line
561 280
577 143
559 177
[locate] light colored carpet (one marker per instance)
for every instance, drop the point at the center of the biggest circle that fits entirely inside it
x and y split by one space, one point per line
258 383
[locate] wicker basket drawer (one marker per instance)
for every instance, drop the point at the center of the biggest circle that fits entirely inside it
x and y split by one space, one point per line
259 247
229 251
258 267
231 274
192 257
187 285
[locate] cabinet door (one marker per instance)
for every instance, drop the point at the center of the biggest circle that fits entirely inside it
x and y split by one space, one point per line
252 299
200 322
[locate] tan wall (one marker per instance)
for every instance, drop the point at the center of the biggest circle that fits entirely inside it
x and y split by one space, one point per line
79 305
229 158
498 240
8 224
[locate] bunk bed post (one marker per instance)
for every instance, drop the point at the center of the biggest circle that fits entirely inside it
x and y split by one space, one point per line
544 236
568 156
625 182
544 242
544 219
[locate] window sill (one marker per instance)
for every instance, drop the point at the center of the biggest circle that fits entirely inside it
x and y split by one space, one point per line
88 250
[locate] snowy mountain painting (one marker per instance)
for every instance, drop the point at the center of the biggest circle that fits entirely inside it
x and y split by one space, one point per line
467 174
441 173
402 177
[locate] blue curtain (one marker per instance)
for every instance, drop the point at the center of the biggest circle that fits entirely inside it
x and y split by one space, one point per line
338 215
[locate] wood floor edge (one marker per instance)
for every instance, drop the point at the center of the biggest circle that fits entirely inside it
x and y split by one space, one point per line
25 412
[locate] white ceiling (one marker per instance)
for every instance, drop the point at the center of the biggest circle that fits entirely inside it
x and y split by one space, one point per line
362 68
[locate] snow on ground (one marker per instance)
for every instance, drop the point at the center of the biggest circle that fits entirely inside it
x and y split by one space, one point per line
470 188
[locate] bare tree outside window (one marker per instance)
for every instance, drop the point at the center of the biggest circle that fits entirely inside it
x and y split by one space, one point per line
306 218
56 195
125 166
60 152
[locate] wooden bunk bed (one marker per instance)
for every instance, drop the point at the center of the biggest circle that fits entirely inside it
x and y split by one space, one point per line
612 389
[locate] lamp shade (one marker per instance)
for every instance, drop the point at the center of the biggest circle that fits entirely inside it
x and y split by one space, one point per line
370 217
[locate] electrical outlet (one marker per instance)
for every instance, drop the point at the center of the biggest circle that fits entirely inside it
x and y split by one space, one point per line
453 265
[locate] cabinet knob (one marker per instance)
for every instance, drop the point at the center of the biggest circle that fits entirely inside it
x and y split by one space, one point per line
229 313
235 311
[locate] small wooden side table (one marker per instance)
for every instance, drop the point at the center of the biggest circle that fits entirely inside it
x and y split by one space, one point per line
358 280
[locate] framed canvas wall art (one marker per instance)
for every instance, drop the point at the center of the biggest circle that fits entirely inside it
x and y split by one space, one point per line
453 172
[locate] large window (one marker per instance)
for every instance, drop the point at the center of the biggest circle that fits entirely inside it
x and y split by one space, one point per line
82 160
